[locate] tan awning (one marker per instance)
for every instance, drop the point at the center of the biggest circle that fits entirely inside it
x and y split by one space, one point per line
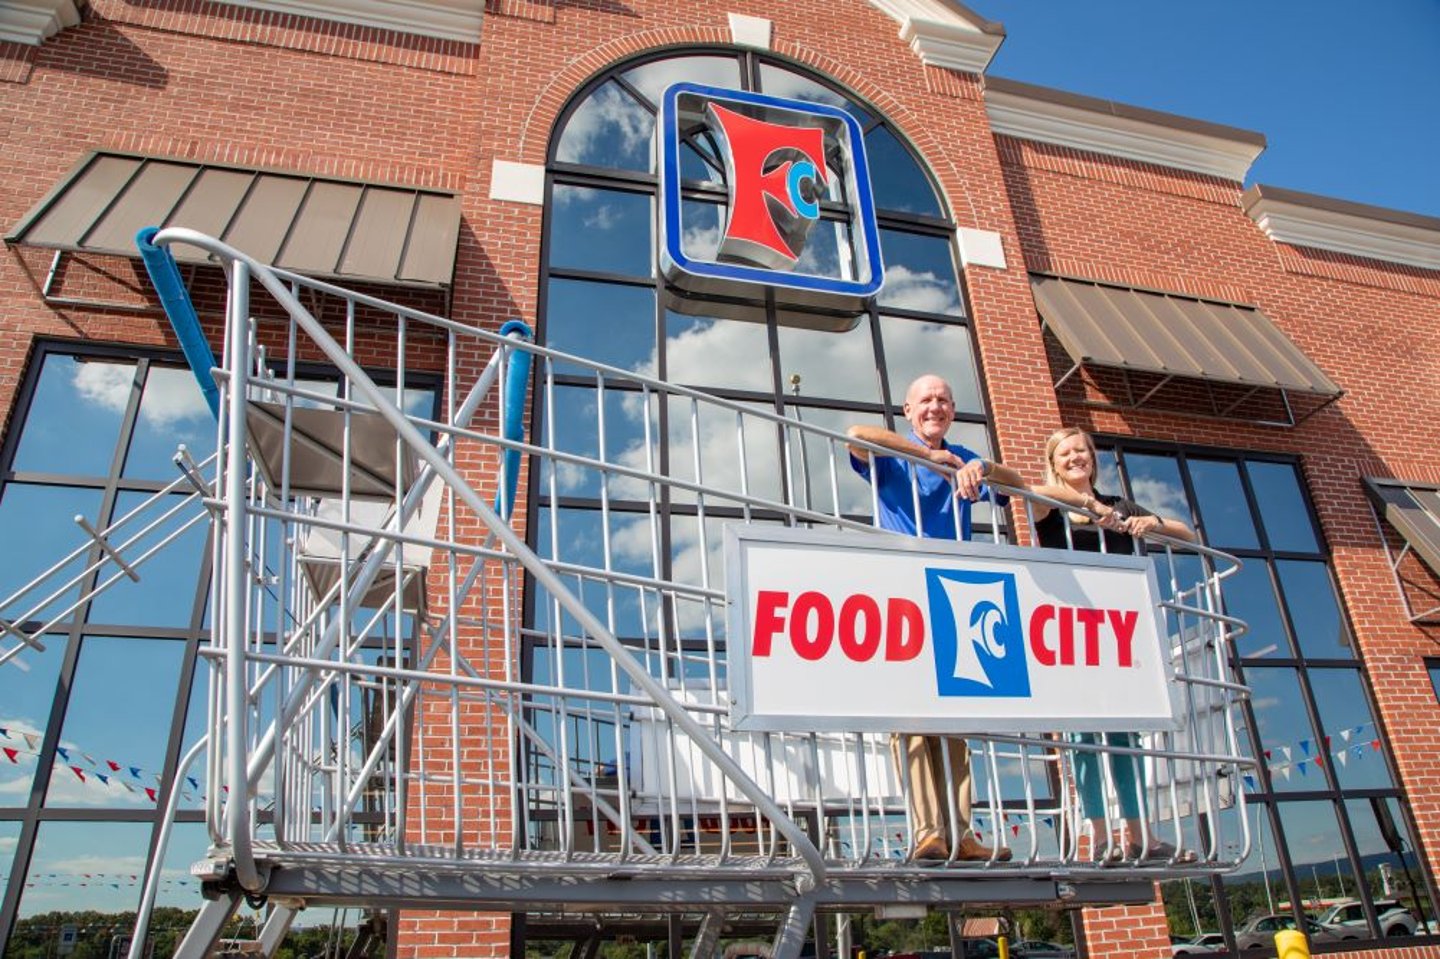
1414 510
1174 336
321 227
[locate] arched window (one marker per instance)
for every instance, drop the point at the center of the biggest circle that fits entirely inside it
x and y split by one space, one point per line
602 298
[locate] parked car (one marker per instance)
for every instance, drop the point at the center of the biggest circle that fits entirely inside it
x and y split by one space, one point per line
1039 949
1348 919
1206 942
1259 931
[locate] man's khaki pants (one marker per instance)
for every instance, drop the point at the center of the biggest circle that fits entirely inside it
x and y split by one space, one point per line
924 758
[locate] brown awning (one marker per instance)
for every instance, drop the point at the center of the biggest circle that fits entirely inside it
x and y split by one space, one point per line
1175 336
1414 510
321 227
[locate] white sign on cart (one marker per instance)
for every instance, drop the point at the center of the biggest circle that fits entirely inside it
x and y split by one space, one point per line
837 631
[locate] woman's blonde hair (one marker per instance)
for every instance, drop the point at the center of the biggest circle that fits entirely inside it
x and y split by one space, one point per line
1053 443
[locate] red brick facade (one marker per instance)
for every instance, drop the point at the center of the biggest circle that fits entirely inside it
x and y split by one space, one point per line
210 81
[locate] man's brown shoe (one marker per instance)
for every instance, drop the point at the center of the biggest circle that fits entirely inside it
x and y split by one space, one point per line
972 850
931 850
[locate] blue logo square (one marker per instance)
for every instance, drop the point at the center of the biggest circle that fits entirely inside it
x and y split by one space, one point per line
976 633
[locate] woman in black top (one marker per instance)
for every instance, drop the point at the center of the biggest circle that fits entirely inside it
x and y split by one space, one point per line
1070 478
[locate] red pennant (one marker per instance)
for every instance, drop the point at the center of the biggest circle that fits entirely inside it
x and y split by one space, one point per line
1318 762
1375 745
114 766
10 754
79 773
1015 830
151 793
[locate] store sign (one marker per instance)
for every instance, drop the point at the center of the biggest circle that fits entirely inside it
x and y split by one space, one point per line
881 633
798 221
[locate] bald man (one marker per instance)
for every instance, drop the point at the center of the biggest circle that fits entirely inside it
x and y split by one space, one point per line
944 514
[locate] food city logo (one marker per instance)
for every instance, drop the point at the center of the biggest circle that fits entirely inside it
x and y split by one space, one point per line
789 166
982 643
777 175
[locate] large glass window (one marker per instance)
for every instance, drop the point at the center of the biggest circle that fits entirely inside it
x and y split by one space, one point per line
92 726
1317 811
604 300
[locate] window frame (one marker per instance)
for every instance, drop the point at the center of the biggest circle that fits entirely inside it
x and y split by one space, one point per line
1266 797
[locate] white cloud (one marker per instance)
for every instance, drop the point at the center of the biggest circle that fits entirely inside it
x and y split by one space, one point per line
8 844
107 385
20 785
97 864
925 292
602 217
1164 498
171 395
701 242
609 112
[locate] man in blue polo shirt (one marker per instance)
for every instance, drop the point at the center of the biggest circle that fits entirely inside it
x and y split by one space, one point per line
944 513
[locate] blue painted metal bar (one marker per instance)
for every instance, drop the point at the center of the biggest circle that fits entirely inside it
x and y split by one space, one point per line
517 379
165 275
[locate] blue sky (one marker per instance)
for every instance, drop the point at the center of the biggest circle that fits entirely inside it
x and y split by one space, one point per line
1343 91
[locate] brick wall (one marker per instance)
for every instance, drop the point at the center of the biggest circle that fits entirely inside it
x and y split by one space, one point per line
217 82
1361 321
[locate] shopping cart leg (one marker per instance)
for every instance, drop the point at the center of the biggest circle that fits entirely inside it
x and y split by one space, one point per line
793 929
275 929
204 933
708 937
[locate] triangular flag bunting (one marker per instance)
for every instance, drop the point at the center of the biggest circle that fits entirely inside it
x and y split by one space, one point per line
135 771
1345 735
1250 783
10 754
1341 756
30 740
1375 744
1305 746
64 753
79 773
114 766
151 793
4 732
1015 830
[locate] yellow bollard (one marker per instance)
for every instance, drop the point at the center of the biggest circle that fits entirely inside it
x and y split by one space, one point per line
1004 947
1291 944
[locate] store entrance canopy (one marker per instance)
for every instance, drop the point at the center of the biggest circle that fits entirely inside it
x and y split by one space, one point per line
329 228
1414 510
1175 336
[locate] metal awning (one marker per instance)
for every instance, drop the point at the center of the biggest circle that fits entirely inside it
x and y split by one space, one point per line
322 227
1414 510
1175 336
